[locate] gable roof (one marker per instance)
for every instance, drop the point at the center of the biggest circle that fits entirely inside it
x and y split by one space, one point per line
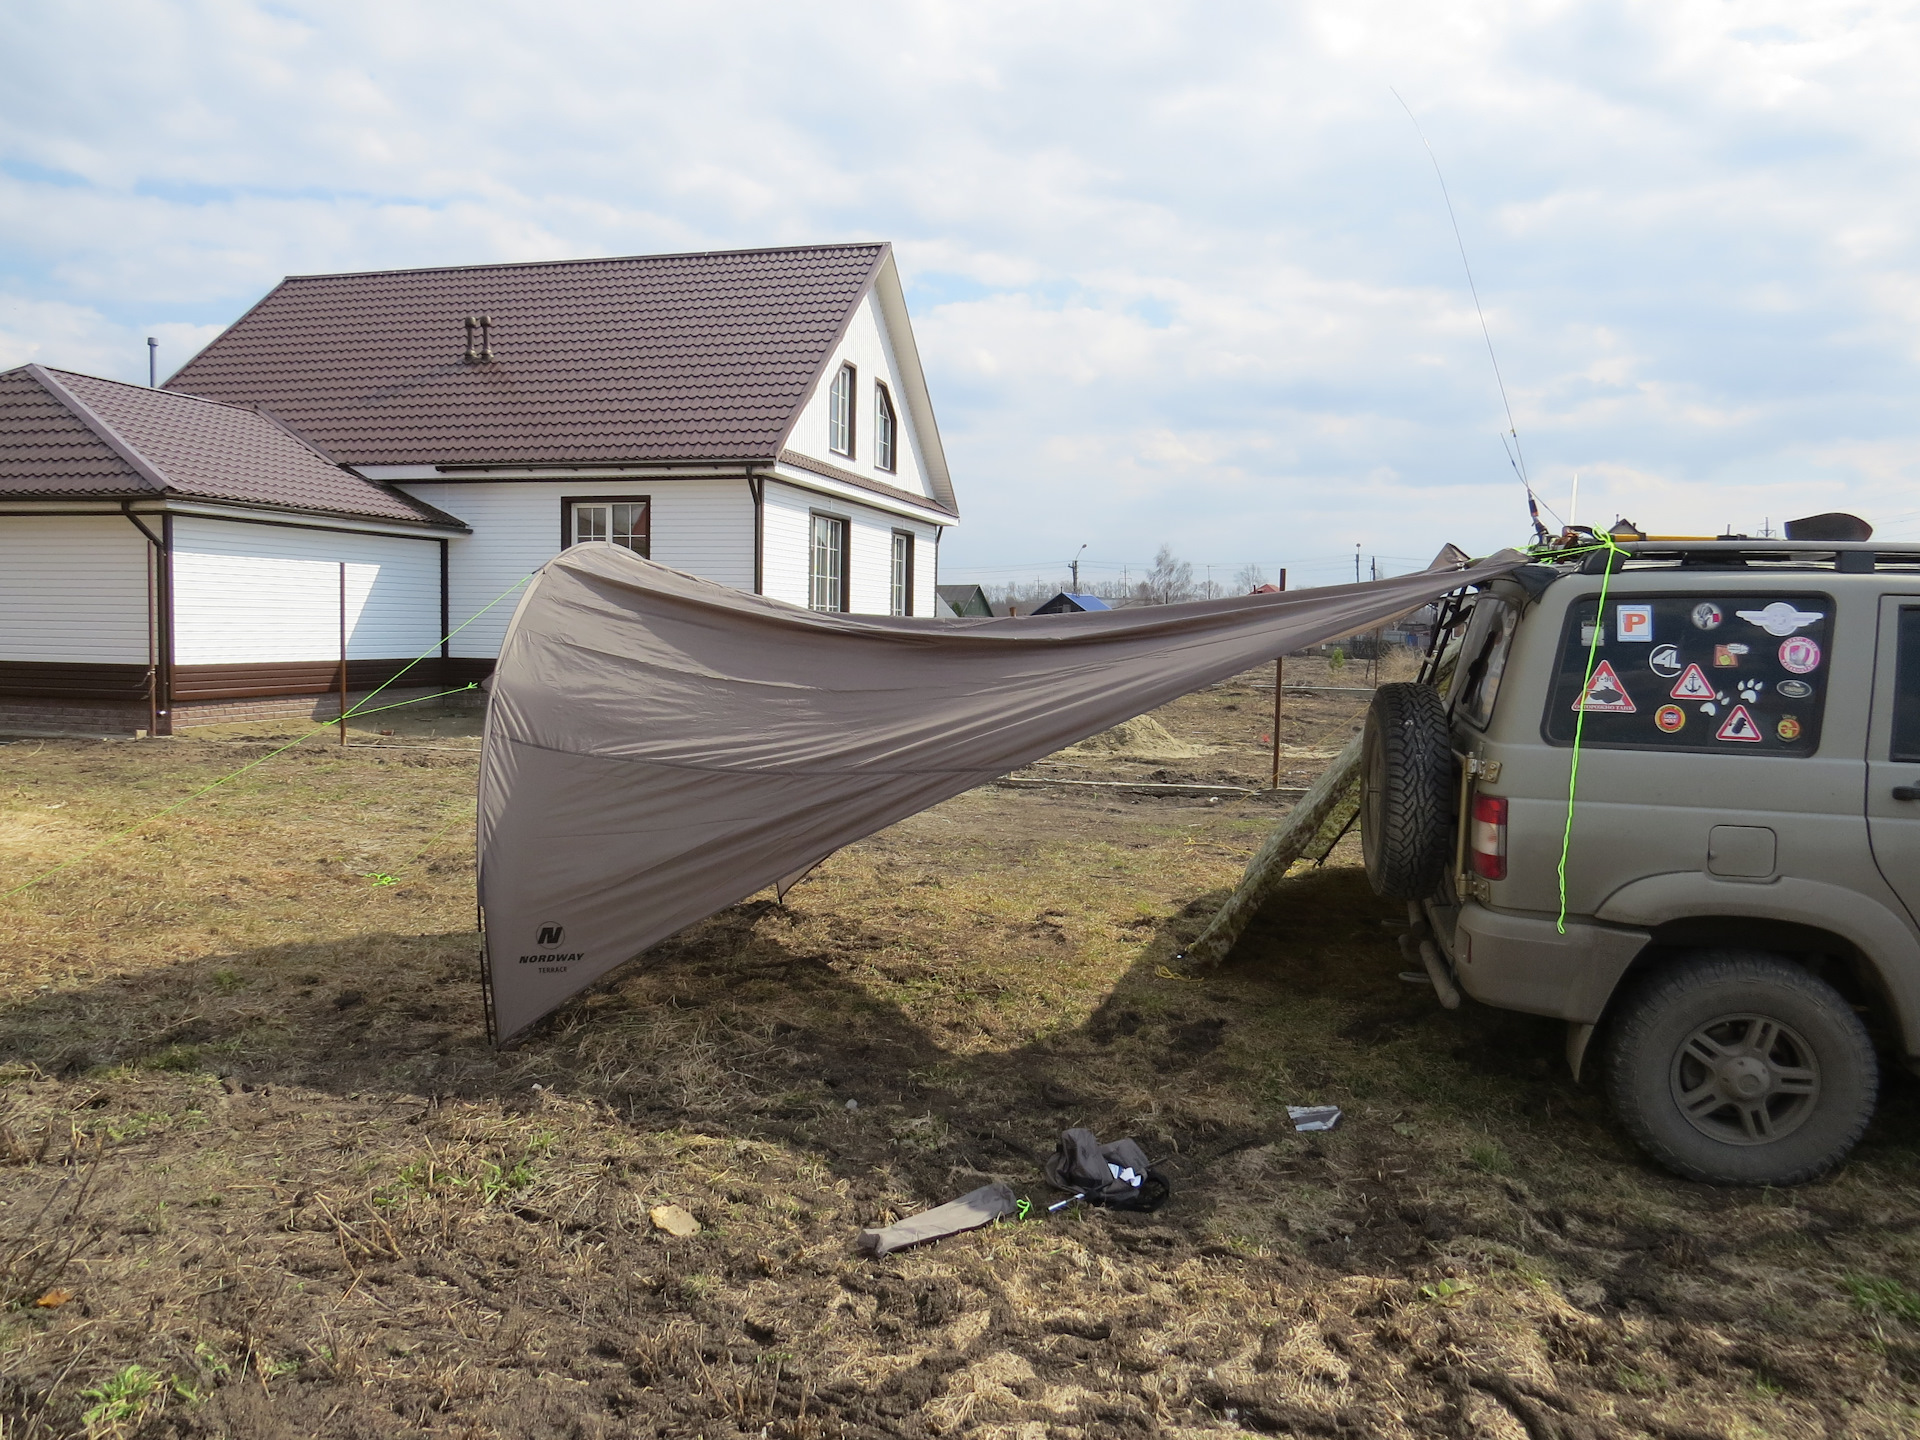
68 436
699 357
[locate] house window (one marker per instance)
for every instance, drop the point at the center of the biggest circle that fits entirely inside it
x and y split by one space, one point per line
882 429
840 419
902 573
623 519
827 564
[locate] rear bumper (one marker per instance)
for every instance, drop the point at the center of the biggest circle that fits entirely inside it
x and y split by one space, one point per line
1523 962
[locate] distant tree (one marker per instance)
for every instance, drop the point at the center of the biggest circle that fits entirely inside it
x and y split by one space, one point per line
1169 581
1249 578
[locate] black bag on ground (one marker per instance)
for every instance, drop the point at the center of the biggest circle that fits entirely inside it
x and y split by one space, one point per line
1119 1174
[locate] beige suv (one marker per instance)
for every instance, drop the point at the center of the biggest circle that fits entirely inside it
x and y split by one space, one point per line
1734 908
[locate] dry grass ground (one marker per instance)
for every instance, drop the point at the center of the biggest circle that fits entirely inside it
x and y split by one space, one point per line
255 1149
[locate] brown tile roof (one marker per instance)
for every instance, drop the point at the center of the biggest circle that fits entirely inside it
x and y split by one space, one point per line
651 357
68 436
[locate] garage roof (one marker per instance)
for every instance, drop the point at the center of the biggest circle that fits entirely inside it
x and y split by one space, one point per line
69 436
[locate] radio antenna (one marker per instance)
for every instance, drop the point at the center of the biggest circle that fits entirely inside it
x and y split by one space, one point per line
1516 458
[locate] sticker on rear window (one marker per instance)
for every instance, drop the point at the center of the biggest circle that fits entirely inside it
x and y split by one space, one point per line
1739 726
1780 618
1701 673
1693 685
1606 694
1799 655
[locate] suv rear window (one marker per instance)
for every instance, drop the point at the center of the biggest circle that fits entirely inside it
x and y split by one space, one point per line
1729 673
1483 658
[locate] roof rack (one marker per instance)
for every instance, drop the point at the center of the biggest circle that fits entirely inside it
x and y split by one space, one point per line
1848 557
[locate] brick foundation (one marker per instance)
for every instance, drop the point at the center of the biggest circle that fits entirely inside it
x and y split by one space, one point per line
24 715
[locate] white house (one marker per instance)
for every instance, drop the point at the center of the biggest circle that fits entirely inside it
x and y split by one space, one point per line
758 418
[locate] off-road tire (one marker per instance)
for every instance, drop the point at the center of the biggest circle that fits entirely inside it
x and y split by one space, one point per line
1647 1067
1406 791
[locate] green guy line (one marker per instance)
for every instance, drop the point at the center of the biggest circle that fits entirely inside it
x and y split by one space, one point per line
1580 724
357 710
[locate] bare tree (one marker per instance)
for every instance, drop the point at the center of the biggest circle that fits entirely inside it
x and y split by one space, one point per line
1249 578
1169 581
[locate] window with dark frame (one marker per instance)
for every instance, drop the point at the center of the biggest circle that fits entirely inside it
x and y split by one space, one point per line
1733 672
827 577
1906 689
883 429
625 520
840 415
902 573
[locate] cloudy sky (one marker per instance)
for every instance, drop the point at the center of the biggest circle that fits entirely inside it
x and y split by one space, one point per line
1180 273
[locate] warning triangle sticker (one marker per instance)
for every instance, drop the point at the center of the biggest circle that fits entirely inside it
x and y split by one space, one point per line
1693 685
1605 693
1739 726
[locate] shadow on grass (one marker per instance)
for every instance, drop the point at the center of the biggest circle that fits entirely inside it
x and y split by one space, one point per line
736 1027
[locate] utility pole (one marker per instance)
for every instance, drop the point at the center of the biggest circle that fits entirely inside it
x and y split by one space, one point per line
1076 568
1279 675
1373 661
1356 562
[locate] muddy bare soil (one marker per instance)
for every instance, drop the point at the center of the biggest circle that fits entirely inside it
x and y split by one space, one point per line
260 1176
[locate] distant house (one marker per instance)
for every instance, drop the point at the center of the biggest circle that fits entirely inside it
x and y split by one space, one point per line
965 599
758 418
1069 604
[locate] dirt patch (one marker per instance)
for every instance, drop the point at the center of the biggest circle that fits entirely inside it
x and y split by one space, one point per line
1142 737
321 1206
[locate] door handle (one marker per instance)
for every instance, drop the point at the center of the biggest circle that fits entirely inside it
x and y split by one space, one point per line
1906 792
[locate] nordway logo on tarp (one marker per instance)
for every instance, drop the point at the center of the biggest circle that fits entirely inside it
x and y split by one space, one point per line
549 936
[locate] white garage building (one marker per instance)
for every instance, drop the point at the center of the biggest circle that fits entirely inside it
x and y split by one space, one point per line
757 418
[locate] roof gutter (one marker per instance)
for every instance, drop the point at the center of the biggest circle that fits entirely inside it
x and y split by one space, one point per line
730 462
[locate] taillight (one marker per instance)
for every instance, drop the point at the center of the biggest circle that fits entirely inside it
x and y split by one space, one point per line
1487 840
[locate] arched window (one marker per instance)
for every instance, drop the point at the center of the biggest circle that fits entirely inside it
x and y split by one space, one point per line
840 414
882 429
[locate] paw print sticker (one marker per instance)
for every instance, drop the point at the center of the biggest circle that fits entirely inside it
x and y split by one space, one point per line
1750 690
1720 698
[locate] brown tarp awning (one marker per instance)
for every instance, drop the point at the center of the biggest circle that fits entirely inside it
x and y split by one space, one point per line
660 747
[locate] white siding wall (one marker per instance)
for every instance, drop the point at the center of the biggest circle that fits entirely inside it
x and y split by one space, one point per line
869 538
703 527
73 589
785 538
253 594
865 345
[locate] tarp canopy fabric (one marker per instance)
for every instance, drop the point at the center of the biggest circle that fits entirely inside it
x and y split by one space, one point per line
659 747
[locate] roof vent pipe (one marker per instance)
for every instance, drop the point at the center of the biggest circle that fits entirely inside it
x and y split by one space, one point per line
472 354
486 341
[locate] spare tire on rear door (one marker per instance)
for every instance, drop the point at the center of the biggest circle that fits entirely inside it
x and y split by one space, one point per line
1406 791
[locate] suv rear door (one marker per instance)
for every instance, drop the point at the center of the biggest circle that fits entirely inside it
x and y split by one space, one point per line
1893 750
